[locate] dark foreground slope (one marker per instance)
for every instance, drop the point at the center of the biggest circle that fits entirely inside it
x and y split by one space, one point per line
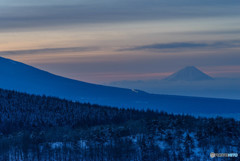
20 77
45 128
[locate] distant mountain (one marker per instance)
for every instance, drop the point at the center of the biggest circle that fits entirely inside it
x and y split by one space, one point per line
228 88
189 73
24 78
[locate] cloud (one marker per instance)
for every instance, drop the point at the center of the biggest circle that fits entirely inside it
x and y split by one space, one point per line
186 45
232 31
39 16
48 50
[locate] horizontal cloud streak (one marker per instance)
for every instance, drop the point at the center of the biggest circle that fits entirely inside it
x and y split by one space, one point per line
186 45
109 12
233 31
48 50
105 2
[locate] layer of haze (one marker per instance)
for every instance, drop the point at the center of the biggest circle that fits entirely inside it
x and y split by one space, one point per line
113 40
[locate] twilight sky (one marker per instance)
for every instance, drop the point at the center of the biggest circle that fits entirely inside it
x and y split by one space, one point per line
111 40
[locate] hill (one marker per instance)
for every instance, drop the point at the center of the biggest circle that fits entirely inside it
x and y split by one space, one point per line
24 78
39 128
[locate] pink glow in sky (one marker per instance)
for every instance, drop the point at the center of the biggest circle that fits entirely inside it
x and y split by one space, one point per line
122 40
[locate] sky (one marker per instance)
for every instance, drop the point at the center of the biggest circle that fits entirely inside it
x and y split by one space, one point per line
113 40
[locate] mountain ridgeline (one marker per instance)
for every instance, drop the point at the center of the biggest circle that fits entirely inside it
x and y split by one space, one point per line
40 128
24 78
188 81
189 73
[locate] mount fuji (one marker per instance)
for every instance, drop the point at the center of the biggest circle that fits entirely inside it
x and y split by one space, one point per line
24 78
189 73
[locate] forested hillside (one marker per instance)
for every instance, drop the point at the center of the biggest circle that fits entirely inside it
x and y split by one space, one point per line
40 128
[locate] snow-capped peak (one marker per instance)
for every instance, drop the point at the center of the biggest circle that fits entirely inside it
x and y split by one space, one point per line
189 73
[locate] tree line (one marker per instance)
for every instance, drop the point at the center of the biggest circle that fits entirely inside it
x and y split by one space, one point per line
47 128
